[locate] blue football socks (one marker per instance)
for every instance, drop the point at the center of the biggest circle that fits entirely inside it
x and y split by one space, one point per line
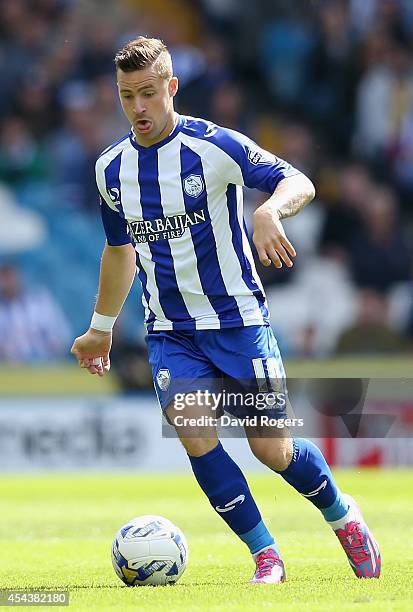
310 475
227 490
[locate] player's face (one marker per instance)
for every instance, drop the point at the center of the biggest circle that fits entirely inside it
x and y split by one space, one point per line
147 101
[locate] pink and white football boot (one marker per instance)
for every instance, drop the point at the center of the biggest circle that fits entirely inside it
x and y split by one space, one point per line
269 568
359 544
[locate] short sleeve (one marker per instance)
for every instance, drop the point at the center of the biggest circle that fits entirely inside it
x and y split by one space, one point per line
115 226
248 164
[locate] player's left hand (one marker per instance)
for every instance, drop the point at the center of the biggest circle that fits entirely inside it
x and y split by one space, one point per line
270 240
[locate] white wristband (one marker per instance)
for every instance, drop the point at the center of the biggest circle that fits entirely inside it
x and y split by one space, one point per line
102 322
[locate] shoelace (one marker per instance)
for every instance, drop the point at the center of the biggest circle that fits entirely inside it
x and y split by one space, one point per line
265 562
353 541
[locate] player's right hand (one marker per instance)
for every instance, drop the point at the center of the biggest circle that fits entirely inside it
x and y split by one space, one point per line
92 351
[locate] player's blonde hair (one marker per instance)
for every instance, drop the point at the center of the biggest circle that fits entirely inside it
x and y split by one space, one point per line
143 52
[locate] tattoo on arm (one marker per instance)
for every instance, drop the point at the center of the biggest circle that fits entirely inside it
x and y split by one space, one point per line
293 206
292 195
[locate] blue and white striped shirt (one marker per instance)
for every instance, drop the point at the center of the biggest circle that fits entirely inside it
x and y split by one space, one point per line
180 203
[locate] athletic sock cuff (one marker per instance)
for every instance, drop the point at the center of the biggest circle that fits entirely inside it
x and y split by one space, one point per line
209 456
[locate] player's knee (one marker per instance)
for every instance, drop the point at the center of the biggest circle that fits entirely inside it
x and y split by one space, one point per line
273 452
196 447
195 427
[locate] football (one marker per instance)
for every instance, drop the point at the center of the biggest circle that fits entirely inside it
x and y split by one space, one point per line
149 550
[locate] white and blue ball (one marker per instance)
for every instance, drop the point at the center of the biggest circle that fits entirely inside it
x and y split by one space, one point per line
149 550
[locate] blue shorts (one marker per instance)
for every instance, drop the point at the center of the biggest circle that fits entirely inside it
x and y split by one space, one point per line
233 360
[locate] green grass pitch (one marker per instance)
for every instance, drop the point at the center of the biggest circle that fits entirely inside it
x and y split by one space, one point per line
56 532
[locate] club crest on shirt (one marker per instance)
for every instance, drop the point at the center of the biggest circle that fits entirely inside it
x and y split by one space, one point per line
194 185
257 156
163 378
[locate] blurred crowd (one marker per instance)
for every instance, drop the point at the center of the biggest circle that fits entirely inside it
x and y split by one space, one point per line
326 84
